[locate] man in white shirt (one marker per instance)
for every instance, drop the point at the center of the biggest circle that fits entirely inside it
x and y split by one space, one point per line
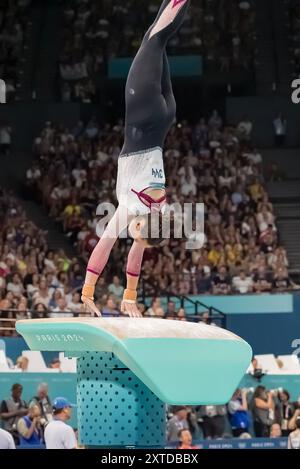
59 435
243 284
6 440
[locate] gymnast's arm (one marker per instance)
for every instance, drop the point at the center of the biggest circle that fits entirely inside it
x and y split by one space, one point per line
134 265
100 256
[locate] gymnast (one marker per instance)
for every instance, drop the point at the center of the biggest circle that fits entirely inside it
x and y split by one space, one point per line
150 112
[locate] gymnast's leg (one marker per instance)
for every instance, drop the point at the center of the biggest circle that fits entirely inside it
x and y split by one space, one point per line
166 86
144 93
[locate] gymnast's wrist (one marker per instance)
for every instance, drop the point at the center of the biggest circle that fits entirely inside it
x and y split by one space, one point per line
130 295
88 291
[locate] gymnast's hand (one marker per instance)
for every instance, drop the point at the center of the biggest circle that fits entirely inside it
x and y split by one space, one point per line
130 309
90 305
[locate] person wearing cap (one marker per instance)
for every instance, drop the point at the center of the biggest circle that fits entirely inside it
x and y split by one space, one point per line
58 434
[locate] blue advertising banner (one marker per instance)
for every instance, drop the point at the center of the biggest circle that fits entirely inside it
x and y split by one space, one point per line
241 443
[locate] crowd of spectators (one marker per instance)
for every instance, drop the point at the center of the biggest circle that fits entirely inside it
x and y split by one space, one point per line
38 423
13 25
33 278
252 412
223 32
15 414
210 162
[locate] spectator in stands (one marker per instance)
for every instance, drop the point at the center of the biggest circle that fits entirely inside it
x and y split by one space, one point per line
215 121
263 411
284 411
213 420
282 280
292 422
61 310
181 315
294 437
43 401
59 435
75 304
161 314
186 439
171 309
203 280
177 422
55 364
6 440
12 410
262 280
244 129
110 309
280 129
238 412
115 288
155 306
265 217
221 282
40 311
256 370
242 283
30 428
275 431
22 363
5 139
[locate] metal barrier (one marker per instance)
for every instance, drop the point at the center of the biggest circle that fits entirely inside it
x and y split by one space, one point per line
9 317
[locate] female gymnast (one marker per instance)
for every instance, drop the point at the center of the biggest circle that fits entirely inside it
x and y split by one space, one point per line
150 112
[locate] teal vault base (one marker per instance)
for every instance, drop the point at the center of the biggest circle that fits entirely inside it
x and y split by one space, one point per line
128 369
114 407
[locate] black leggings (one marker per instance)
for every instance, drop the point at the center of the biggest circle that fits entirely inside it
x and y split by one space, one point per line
150 103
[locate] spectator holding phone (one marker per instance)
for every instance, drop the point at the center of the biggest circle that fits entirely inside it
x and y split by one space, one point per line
30 428
238 413
294 437
263 411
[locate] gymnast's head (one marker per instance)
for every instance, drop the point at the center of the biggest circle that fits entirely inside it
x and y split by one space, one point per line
149 230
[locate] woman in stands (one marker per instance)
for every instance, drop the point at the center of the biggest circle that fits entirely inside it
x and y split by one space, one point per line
150 112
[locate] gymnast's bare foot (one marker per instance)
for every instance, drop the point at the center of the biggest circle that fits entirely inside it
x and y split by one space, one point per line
130 309
90 306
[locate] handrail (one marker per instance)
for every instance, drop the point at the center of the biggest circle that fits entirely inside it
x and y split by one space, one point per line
197 303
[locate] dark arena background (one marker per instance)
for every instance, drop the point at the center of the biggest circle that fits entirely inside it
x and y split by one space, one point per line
180 377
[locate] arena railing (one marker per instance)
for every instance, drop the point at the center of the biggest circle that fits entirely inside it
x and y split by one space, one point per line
9 317
213 313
